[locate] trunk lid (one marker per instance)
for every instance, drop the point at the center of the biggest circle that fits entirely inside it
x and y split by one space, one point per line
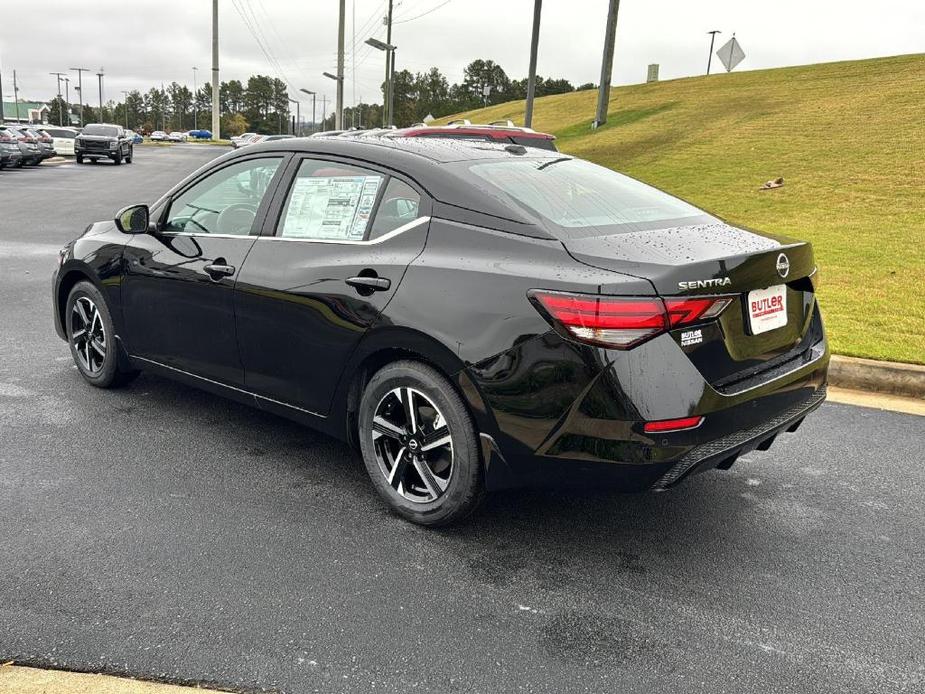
721 260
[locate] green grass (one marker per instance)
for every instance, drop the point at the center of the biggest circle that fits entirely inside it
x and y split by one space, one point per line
847 137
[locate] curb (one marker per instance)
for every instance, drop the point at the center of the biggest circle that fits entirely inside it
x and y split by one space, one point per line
893 378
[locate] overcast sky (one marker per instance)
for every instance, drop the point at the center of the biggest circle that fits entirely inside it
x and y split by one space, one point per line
141 44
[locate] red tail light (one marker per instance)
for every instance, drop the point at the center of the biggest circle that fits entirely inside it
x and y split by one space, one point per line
666 425
622 322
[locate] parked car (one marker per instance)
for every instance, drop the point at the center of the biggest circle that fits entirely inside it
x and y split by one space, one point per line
62 139
201 134
10 155
135 138
238 140
274 138
177 136
498 131
158 136
30 154
252 140
104 141
471 318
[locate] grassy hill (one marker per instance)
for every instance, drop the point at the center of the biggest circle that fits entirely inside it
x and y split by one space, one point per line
849 140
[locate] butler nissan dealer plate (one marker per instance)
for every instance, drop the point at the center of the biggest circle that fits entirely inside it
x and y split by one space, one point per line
767 309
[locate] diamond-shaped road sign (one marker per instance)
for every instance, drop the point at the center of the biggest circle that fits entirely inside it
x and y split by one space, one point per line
731 54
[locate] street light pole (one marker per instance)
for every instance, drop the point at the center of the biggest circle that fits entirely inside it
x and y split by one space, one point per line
603 93
534 45
298 112
67 98
388 101
99 76
216 119
386 116
80 89
712 39
312 95
60 110
338 114
125 106
339 118
195 101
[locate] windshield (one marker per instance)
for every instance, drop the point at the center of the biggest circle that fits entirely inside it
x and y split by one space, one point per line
581 199
101 130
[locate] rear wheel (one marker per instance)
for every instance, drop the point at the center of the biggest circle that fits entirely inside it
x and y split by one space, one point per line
90 334
419 444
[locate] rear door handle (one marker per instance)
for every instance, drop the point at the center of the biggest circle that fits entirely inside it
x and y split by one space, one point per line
376 284
219 270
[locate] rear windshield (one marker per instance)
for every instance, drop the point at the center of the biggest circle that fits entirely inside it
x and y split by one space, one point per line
60 132
102 130
577 199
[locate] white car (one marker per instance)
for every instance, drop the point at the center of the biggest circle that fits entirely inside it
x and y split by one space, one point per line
63 139
177 136
158 136
239 140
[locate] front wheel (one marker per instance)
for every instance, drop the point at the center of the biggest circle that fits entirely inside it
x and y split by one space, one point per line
80 159
117 160
419 444
130 156
90 334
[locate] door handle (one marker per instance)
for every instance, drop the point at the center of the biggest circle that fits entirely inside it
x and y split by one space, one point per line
375 284
218 270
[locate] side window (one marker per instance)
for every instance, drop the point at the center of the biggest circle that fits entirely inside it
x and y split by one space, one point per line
329 201
400 205
225 202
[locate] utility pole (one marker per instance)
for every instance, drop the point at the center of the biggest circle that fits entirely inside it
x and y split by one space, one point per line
67 98
603 94
339 117
99 76
195 101
712 39
216 117
125 106
60 109
324 108
80 89
16 95
312 95
534 45
386 116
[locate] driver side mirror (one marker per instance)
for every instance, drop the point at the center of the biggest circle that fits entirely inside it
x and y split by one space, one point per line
134 219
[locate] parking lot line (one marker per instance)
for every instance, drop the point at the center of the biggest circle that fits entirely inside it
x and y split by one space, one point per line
16 679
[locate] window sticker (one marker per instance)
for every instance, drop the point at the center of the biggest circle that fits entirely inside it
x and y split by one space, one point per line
331 207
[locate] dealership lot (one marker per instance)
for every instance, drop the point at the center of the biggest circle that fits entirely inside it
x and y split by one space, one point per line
162 532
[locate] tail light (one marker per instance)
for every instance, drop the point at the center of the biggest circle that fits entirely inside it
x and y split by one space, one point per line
665 425
622 322
5 138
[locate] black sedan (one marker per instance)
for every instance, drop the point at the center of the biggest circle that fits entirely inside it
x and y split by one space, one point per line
470 316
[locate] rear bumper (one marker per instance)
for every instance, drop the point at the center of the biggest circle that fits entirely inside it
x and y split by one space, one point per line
569 417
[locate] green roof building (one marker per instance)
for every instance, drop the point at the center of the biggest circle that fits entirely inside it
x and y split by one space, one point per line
25 112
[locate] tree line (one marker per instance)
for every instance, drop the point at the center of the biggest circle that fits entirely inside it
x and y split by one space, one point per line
261 104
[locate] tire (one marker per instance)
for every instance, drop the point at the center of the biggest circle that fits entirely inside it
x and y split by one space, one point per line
456 482
80 159
97 354
130 156
117 160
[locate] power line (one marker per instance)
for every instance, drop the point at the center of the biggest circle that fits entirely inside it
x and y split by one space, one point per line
423 14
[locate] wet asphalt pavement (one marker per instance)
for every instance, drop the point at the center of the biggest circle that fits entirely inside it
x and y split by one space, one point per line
165 533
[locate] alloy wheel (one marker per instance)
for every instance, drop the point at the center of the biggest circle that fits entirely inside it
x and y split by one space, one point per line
88 336
413 445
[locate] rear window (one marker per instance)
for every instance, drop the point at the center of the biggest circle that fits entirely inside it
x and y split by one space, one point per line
101 130
580 199
60 132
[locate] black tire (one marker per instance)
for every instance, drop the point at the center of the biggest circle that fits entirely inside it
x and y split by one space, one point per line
117 160
80 159
465 486
130 155
108 373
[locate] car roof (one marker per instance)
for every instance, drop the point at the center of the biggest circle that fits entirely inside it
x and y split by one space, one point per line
437 165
